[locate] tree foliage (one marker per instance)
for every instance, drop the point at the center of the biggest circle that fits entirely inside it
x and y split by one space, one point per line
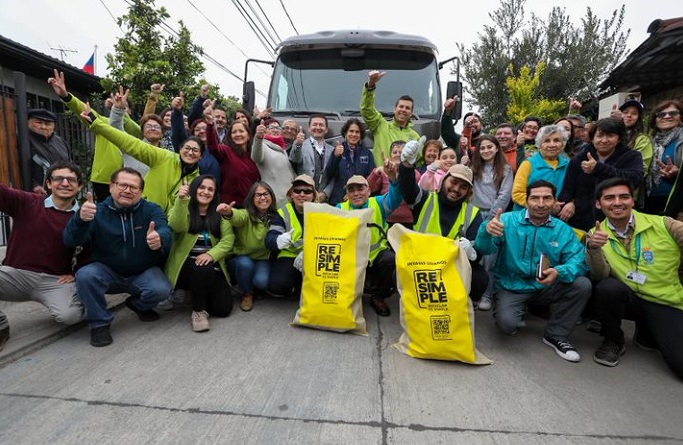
525 100
145 55
576 58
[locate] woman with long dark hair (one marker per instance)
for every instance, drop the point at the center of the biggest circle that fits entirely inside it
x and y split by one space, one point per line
202 239
250 265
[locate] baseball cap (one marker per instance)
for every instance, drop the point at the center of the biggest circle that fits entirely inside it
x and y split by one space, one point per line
357 180
632 103
41 113
461 172
304 179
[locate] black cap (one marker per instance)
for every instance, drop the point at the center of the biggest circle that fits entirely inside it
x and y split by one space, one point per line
632 103
41 113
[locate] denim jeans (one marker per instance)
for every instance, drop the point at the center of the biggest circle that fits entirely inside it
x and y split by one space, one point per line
249 273
96 279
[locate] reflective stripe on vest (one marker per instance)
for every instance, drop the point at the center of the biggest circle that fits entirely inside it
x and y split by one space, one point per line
292 222
429 220
378 243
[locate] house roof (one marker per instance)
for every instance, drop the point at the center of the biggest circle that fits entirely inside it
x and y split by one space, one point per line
656 64
18 57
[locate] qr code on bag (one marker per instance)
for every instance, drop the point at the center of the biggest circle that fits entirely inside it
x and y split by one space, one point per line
441 327
330 290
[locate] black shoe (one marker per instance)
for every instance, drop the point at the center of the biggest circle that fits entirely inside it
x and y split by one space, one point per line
608 353
148 315
100 336
380 306
4 337
563 348
642 338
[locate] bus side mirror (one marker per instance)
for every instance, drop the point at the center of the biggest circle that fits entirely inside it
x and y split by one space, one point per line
248 96
455 89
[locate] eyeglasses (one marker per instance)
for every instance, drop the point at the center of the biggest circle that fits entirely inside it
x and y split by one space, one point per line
122 187
152 127
274 127
192 149
304 191
672 113
261 195
59 179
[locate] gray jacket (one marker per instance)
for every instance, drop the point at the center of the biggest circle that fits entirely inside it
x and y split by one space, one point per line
303 160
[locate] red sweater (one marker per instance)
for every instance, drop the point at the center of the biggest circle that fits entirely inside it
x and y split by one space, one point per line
238 172
35 242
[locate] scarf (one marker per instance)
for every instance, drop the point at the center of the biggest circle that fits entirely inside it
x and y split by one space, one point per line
279 140
659 144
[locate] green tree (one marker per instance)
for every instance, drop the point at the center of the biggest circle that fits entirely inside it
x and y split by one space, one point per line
525 100
144 56
577 58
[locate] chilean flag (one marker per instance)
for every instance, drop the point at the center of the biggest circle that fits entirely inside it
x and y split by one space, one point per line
89 66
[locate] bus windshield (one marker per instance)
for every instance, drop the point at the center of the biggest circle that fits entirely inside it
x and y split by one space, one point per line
324 81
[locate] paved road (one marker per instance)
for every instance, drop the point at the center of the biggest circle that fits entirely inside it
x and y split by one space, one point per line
253 379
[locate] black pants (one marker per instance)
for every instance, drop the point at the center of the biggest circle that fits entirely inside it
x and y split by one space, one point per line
284 278
380 277
615 301
210 290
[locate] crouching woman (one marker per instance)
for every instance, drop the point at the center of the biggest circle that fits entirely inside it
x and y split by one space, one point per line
202 240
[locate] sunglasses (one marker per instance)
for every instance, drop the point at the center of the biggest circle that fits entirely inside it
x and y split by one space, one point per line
299 191
663 114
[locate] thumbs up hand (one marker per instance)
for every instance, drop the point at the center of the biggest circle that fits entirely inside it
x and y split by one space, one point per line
284 240
184 190
598 238
495 227
88 208
588 166
153 237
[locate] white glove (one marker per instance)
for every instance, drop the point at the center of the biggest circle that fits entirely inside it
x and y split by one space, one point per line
412 149
285 240
299 262
466 245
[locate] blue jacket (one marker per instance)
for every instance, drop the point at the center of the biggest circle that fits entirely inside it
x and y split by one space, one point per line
520 248
208 164
340 169
118 236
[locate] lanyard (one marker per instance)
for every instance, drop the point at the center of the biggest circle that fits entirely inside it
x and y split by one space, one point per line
614 246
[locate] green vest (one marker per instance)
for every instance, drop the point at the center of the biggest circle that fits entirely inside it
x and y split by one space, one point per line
429 220
288 213
378 242
654 253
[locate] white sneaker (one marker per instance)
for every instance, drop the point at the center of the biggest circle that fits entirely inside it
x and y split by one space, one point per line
166 305
200 321
485 303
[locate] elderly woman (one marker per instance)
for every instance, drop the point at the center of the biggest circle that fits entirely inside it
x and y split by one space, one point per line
663 187
269 154
285 238
549 164
606 156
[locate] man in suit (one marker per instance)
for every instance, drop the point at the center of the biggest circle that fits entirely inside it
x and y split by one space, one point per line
310 158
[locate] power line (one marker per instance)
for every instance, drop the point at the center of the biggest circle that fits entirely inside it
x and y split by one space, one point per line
111 15
270 25
288 17
259 35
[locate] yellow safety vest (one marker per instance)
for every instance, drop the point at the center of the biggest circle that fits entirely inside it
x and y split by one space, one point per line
429 220
378 242
288 214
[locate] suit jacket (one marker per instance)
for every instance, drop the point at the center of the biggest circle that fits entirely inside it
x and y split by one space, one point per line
303 160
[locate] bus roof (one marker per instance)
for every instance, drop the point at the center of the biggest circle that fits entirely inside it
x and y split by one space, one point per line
355 39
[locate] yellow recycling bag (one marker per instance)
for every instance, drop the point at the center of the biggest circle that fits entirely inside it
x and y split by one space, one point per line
336 252
435 311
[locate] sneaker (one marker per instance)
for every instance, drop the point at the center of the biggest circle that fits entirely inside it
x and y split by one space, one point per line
485 303
594 326
563 348
148 315
247 302
4 337
380 306
200 321
608 353
166 305
644 341
100 336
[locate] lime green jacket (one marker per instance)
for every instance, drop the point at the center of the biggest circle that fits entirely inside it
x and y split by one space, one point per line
165 168
384 132
249 237
183 241
107 157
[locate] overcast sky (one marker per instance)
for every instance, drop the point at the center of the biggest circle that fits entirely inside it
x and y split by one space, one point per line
80 25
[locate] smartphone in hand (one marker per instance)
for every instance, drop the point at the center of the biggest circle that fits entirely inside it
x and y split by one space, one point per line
543 264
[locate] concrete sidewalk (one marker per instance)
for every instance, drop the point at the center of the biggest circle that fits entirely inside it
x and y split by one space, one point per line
253 379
